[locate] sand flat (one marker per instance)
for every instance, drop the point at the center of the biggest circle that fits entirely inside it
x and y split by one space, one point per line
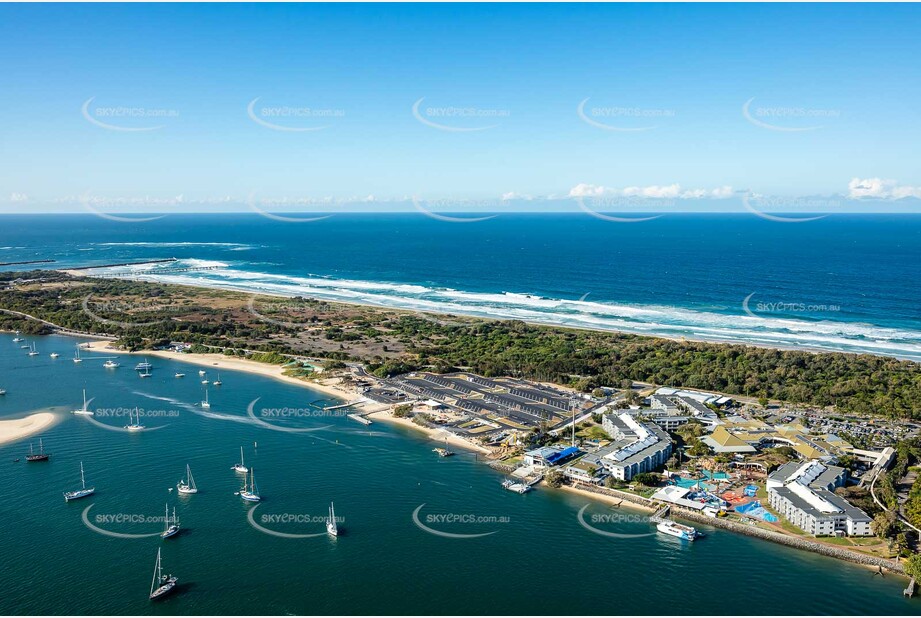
15 429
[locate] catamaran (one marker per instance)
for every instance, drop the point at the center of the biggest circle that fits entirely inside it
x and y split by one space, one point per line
187 485
80 493
170 529
77 358
250 494
240 467
161 584
134 426
33 351
144 365
111 364
41 455
331 526
206 403
84 409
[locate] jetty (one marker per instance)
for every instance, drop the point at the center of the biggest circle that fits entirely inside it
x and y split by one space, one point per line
344 405
163 261
361 419
27 262
910 591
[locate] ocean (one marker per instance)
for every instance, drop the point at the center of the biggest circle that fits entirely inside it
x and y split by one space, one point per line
843 283
532 554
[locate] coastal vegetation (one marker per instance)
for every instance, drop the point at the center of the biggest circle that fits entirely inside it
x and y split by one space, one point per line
144 315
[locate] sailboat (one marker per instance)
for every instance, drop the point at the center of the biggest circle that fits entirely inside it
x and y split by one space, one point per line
251 494
144 365
218 381
41 455
17 339
84 409
170 529
80 493
206 403
134 426
33 351
161 584
187 485
331 526
146 373
240 467
77 358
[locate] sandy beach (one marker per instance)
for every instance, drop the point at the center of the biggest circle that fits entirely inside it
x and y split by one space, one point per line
15 429
439 435
230 363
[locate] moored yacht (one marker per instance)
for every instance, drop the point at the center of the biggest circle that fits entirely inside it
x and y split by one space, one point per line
240 467
84 410
250 493
170 529
111 364
80 493
41 455
143 366
686 533
134 425
331 526
187 485
161 585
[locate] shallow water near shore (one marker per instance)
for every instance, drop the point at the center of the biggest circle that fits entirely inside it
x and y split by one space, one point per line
535 557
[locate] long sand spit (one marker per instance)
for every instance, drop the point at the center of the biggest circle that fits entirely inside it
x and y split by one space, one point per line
15 429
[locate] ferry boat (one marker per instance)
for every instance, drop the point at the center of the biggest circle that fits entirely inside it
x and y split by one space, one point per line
161 584
80 493
442 452
111 364
41 455
519 488
143 366
170 529
685 533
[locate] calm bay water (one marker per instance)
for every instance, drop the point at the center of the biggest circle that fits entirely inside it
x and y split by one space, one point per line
847 283
540 560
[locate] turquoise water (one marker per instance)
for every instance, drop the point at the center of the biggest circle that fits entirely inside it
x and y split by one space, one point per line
539 559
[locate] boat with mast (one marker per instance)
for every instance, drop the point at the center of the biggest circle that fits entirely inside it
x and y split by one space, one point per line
111 364
218 381
187 485
161 584
170 529
142 366
206 404
146 373
331 526
33 351
84 410
132 424
41 455
240 467
250 493
80 493
77 358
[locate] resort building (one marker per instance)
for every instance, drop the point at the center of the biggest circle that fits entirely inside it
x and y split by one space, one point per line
804 494
636 446
682 406
548 456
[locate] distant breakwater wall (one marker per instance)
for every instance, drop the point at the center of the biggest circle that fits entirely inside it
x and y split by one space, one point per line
767 535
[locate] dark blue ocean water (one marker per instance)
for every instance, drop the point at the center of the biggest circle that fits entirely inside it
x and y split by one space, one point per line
841 283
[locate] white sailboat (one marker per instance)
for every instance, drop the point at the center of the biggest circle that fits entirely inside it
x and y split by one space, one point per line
170 529
240 467
187 485
77 358
251 493
132 424
331 527
218 381
80 493
33 351
161 585
17 339
84 410
206 403
111 364
144 365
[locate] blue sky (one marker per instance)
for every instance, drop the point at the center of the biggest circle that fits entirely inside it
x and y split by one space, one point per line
144 104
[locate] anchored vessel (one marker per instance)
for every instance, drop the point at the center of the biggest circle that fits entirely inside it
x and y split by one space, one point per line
250 493
240 467
206 403
111 364
170 529
161 584
80 493
187 485
83 410
134 425
143 366
41 455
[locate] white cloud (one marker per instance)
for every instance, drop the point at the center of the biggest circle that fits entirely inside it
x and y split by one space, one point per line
878 188
672 191
19 197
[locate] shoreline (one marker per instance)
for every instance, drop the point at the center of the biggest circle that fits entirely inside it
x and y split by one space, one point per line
16 429
440 435
201 285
